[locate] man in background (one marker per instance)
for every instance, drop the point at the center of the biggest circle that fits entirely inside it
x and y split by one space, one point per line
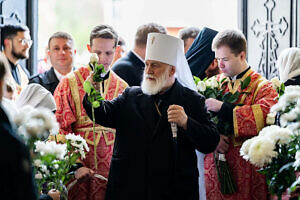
120 50
61 53
15 43
130 67
188 36
200 57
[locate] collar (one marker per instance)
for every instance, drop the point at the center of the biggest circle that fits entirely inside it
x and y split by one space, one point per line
58 75
90 67
139 57
165 95
240 75
12 65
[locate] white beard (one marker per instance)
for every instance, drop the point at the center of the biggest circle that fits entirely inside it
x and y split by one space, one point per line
152 87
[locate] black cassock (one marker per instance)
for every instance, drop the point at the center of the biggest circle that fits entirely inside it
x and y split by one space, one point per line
144 164
16 181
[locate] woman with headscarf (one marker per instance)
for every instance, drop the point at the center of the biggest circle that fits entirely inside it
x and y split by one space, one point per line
37 96
288 65
200 57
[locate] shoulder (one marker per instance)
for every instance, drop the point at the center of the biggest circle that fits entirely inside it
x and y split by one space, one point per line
35 78
133 92
46 77
115 76
123 64
185 92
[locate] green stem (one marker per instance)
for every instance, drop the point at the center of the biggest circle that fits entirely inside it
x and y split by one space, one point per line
94 137
279 197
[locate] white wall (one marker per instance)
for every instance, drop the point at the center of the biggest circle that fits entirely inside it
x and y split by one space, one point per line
127 15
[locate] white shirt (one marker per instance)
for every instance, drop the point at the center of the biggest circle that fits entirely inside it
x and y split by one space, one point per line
58 75
139 57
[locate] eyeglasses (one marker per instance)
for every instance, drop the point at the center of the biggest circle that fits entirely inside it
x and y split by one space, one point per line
25 41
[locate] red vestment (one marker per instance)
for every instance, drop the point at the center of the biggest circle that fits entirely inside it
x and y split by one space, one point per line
72 118
248 120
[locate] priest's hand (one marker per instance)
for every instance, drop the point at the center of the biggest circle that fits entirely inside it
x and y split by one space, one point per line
94 84
213 104
54 194
223 145
83 173
176 114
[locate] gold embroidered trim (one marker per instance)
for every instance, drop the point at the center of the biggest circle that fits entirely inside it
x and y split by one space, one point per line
252 85
80 77
235 123
75 93
59 138
99 130
236 142
237 82
106 85
117 88
260 85
258 116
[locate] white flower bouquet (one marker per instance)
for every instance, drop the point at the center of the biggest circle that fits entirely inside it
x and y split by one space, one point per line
52 161
35 124
276 150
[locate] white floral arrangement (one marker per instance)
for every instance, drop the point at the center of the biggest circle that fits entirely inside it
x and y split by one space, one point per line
205 84
278 86
288 107
261 149
52 161
35 122
276 150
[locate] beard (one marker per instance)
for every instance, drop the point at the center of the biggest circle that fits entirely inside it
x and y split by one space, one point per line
152 87
19 55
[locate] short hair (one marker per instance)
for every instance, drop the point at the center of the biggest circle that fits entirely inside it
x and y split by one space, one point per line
104 31
63 35
3 67
143 30
233 39
121 41
9 31
188 32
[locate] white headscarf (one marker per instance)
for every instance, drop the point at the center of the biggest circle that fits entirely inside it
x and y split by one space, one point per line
168 49
36 96
288 63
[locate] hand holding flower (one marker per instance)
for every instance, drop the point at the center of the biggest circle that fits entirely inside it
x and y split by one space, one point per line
54 194
213 104
223 145
83 173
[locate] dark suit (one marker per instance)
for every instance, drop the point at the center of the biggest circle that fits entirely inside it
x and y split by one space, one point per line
145 165
47 79
130 68
16 172
293 81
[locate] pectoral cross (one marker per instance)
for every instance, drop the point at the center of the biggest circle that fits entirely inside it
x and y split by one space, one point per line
269 43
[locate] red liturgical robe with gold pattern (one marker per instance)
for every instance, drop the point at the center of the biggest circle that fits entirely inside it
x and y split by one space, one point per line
248 120
72 118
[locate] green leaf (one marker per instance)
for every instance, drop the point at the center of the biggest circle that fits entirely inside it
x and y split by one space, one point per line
196 79
245 83
87 86
96 104
223 80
